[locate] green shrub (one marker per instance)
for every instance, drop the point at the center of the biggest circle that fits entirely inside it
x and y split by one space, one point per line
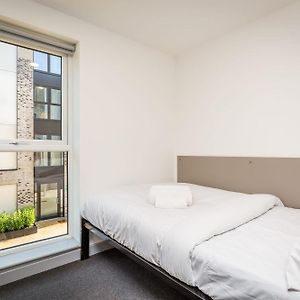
28 216
21 218
4 220
9 223
16 220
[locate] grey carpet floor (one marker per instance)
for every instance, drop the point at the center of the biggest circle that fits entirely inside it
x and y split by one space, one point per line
107 276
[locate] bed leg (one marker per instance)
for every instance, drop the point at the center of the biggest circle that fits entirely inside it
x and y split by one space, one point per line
85 241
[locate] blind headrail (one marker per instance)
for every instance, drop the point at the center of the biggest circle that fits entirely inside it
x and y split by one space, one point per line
33 38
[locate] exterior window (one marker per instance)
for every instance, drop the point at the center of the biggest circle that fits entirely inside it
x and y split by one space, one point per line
51 159
40 94
55 137
48 98
55 96
40 61
41 159
56 159
55 112
49 195
32 99
55 64
41 137
51 180
40 111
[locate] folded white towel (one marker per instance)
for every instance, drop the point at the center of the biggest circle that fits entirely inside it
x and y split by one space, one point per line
293 269
170 201
170 196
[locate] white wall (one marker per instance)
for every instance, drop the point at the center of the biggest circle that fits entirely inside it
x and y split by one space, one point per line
8 79
8 198
125 126
8 105
239 95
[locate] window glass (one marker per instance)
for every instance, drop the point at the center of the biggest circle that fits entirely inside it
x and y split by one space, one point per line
31 105
37 185
55 112
55 137
55 64
41 111
48 91
41 159
49 199
56 159
40 137
40 94
40 61
55 96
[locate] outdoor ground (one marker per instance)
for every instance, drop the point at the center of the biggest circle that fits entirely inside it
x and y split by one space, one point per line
44 232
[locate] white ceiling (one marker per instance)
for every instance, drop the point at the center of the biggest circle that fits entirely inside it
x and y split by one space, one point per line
172 26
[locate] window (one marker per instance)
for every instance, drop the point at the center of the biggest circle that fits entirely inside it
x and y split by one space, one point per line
34 147
55 64
40 94
40 61
40 111
47 63
47 96
55 96
55 112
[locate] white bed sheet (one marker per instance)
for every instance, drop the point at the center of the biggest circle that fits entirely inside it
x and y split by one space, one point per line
127 216
250 262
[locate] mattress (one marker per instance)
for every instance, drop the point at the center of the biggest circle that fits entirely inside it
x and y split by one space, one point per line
246 260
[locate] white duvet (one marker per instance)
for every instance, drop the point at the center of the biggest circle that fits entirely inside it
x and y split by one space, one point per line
293 268
195 244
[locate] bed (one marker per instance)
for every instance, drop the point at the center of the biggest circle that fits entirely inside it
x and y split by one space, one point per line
227 245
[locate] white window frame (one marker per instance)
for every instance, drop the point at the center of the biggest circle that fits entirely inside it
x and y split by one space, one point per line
39 249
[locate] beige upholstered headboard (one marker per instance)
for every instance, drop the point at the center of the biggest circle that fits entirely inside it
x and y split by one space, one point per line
278 176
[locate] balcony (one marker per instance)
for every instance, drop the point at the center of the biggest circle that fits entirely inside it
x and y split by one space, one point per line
46 229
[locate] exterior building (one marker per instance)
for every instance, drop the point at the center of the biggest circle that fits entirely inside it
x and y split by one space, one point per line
26 178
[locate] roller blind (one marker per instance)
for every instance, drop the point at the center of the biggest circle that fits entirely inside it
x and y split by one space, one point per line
26 37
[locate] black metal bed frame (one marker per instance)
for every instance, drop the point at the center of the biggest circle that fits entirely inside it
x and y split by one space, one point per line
189 291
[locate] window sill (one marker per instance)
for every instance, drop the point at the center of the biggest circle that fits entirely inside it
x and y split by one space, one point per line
24 254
